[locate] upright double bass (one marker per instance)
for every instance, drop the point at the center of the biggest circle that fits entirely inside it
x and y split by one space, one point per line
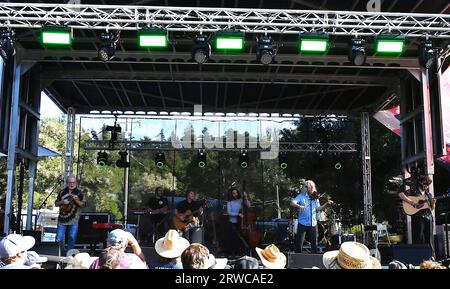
249 230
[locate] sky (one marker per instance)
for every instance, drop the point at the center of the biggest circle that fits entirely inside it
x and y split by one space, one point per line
49 108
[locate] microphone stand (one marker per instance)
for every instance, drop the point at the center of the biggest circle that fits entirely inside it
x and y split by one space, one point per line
44 203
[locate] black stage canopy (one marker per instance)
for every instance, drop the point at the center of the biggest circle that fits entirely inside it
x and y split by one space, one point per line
137 80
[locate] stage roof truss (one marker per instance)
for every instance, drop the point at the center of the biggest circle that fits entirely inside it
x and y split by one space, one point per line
195 19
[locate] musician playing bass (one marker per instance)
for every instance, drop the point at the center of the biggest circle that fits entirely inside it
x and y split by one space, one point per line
234 210
422 221
307 204
186 218
70 202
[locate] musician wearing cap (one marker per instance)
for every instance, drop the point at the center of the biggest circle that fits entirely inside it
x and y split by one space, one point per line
308 206
422 219
70 202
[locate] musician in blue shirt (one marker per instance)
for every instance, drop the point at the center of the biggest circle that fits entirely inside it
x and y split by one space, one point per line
307 204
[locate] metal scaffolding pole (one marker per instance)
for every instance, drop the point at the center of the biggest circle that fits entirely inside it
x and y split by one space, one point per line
70 142
366 163
12 143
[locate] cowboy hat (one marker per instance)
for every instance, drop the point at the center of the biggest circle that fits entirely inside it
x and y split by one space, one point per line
271 257
172 245
351 255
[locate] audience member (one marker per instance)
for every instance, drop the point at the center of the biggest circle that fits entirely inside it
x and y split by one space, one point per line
34 260
271 257
197 256
169 250
109 259
120 239
80 261
13 251
351 255
430 264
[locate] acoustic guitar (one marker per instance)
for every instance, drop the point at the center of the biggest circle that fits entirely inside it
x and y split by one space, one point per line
67 207
190 220
422 201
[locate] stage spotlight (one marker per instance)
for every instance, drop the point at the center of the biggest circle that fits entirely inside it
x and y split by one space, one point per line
56 36
426 54
390 44
338 165
313 43
160 159
102 159
150 38
108 46
282 161
264 51
357 52
243 160
201 50
201 159
7 49
122 162
229 41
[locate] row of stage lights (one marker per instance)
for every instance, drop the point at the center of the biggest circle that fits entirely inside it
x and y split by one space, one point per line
227 42
202 160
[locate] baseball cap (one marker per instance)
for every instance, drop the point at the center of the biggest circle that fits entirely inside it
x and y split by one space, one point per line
13 244
118 238
33 258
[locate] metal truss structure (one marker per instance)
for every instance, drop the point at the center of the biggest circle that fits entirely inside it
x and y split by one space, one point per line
250 146
192 19
366 164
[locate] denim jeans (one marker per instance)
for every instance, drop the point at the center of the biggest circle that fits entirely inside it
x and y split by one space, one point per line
312 236
61 234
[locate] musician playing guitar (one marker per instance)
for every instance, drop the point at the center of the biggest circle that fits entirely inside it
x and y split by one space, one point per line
186 218
422 221
70 202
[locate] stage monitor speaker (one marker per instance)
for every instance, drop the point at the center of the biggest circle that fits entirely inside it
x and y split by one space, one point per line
408 254
87 235
49 250
149 253
299 261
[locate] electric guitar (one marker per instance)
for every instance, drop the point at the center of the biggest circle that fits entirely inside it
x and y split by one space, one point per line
190 220
422 203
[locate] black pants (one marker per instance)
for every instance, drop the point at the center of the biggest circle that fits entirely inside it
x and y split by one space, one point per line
193 235
422 231
312 237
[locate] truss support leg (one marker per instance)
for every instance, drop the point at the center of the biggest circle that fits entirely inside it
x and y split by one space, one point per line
366 163
12 143
70 143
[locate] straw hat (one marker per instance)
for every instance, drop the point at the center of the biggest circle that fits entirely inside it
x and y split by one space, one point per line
172 245
271 257
81 261
351 255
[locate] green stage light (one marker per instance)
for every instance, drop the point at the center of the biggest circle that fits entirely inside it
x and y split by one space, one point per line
201 159
338 165
282 161
229 41
56 36
160 160
243 160
102 159
390 45
316 43
152 39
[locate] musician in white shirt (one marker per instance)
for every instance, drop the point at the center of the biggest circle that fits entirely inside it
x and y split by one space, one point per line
234 211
